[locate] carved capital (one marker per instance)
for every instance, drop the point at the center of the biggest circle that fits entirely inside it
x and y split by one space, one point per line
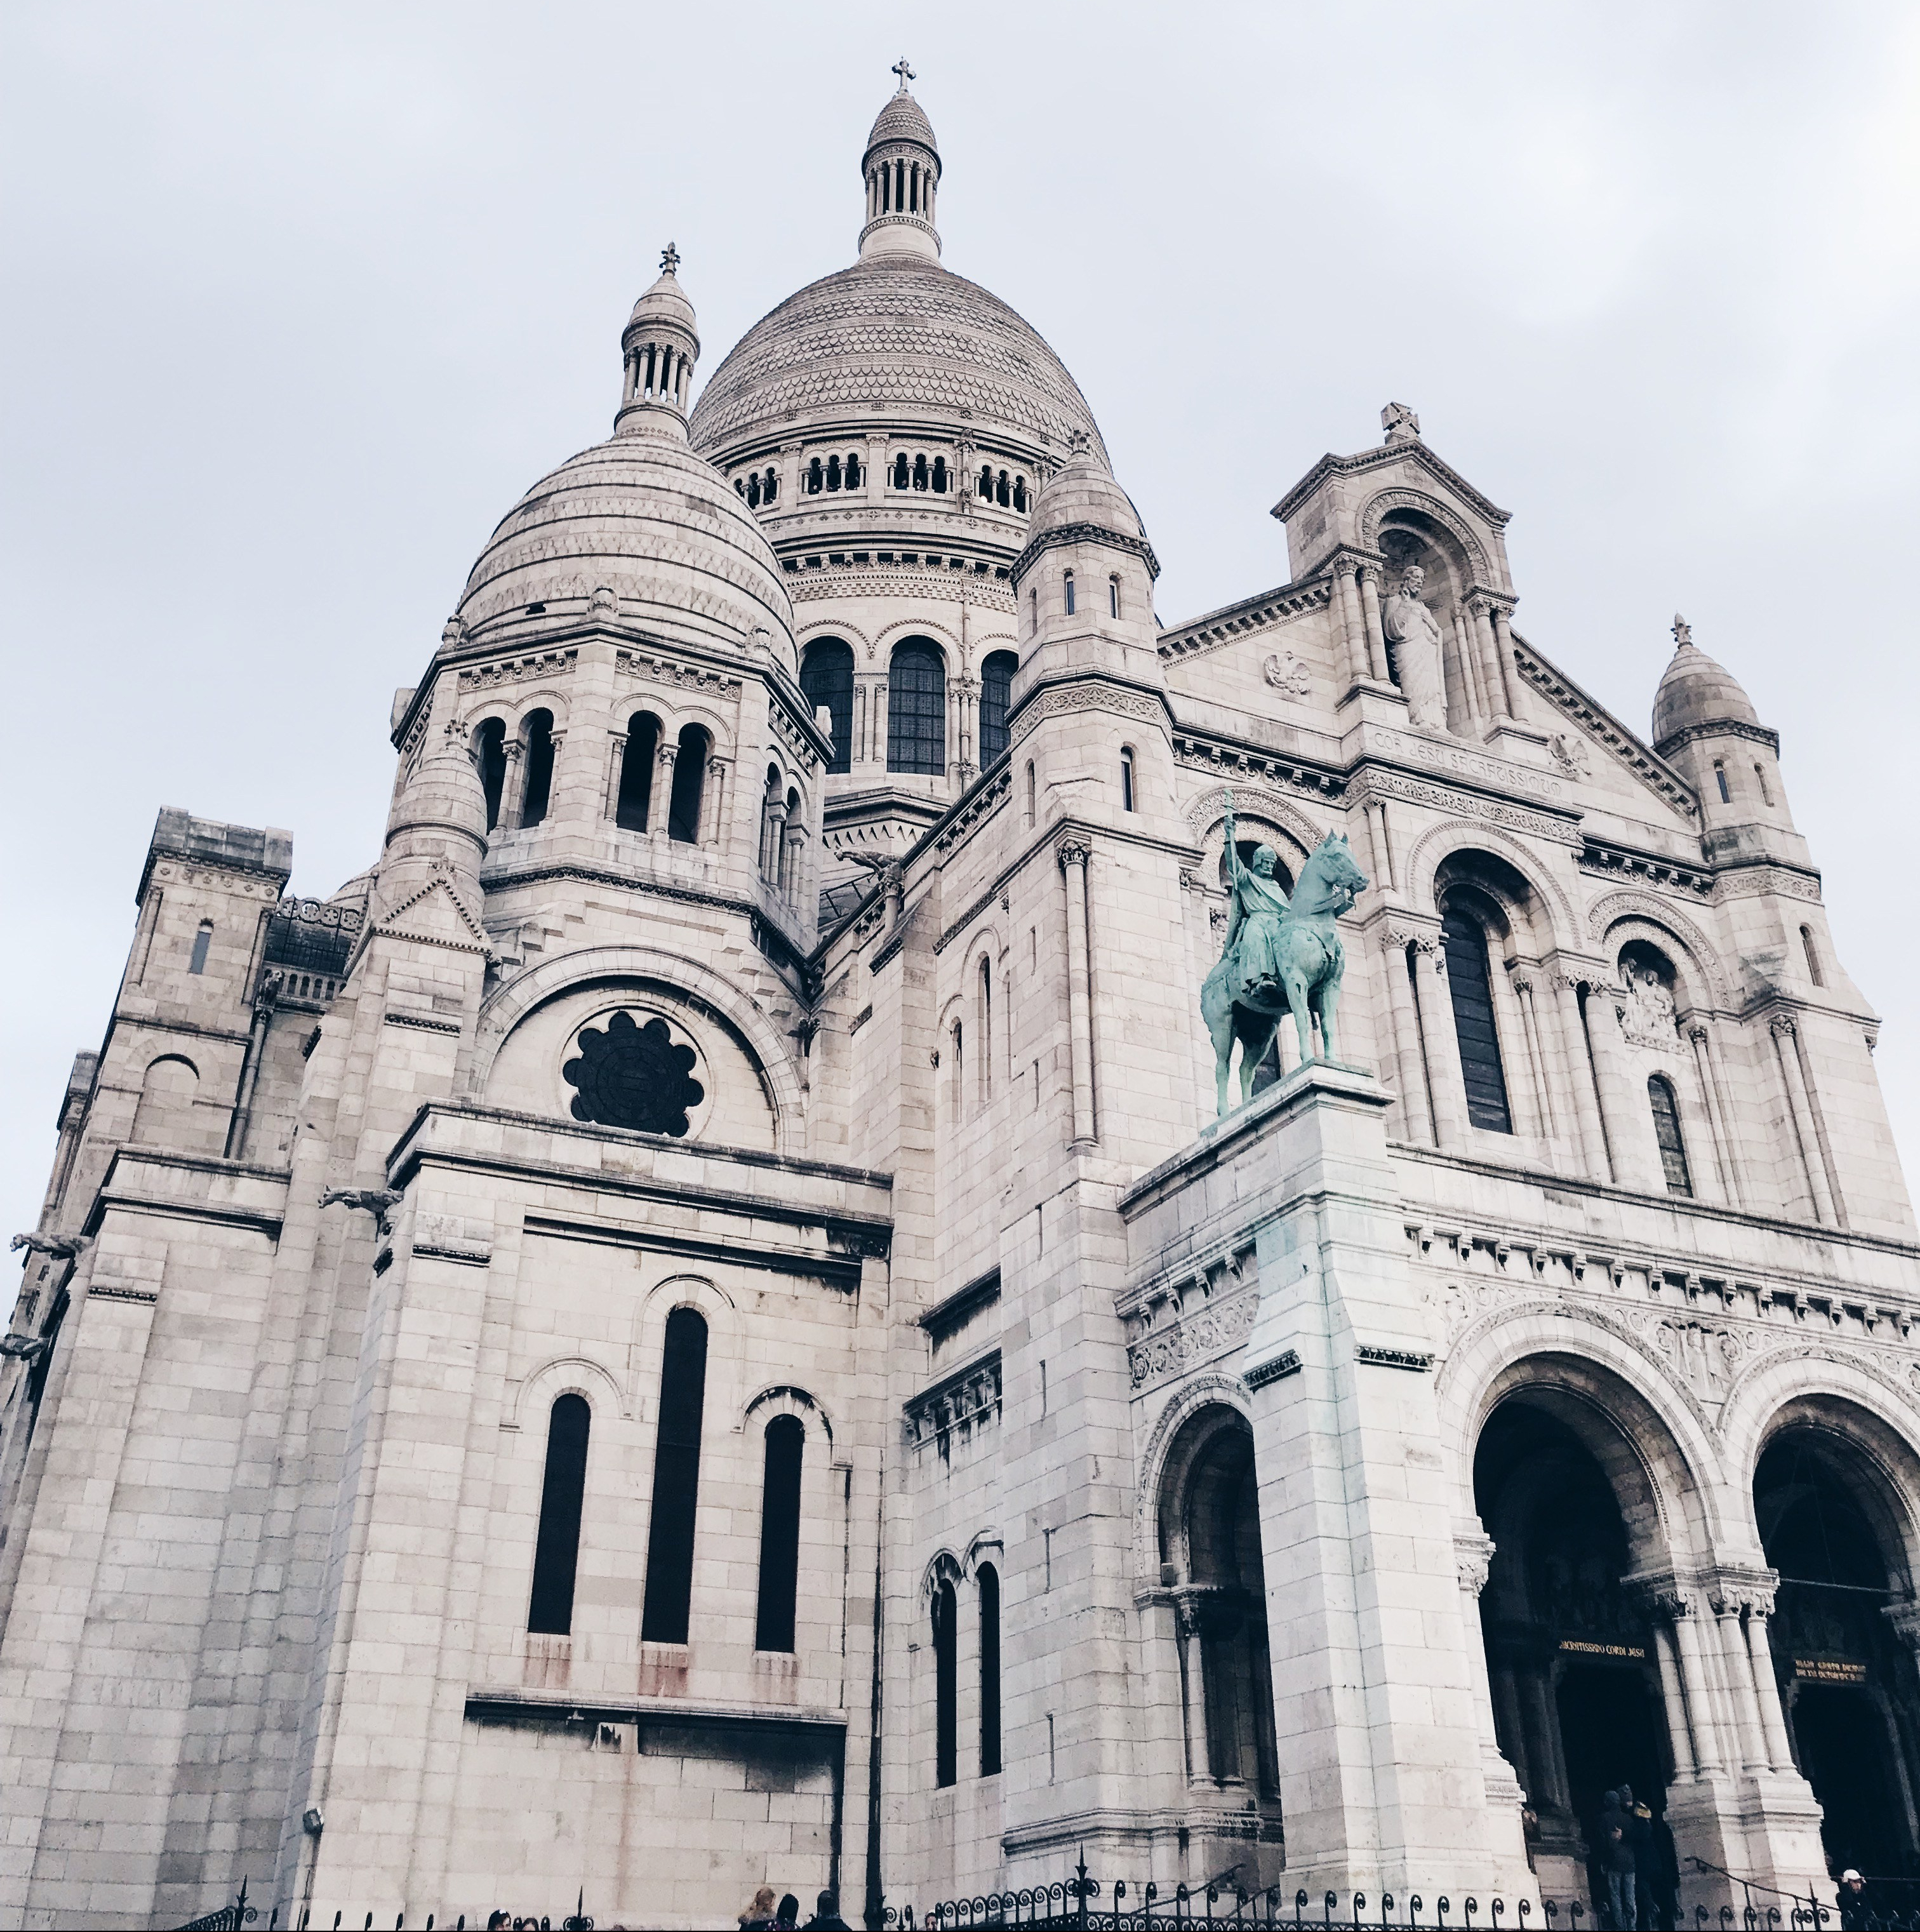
1071 852
1522 979
1905 1619
1782 1026
1473 1553
666 754
1697 1033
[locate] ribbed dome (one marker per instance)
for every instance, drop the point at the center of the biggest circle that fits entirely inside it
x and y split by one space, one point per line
902 333
645 518
665 302
1696 690
902 119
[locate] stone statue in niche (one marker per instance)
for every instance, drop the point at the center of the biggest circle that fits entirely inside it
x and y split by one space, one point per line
1647 1018
1413 631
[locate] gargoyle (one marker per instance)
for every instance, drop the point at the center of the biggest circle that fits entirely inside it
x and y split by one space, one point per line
58 1247
378 1201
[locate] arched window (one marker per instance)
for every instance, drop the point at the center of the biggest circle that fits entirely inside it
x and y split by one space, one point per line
167 1094
537 735
989 1584
772 819
753 492
852 471
920 473
1033 792
958 1072
1126 777
986 483
946 1687
788 854
675 1480
491 740
1807 946
1666 1132
996 686
1113 597
833 472
1720 778
1760 779
769 486
557 1549
916 709
900 471
1473 1022
196 962
689 785
826 676
637 764
986 1029
740 487
1001 494
815 478
779 1534
1019 493
1069 593
940 473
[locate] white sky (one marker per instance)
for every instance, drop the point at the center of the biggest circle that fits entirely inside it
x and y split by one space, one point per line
301 299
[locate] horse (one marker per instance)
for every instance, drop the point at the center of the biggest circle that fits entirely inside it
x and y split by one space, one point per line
1311 960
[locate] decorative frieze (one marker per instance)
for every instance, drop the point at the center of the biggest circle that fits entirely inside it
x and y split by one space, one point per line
956 1408
1457 760
1210 1331
513 670
652 668
1375 784
1229 761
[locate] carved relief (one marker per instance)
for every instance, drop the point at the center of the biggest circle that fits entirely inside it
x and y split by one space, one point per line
1287 675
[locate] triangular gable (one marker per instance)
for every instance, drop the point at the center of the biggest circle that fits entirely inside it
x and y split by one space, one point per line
435 916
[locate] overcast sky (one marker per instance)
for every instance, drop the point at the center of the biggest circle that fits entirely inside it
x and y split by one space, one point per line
300 300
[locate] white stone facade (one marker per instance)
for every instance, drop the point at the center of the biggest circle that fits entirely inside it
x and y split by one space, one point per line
789 935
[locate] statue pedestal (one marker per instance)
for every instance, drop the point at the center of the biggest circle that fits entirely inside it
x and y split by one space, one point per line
1380 1732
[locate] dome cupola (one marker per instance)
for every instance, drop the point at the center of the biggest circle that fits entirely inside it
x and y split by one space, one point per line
902 170
1696 692
660 345
1081 503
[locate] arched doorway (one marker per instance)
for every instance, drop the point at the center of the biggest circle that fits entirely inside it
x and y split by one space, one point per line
1829 1529
1570 1652
1211 1564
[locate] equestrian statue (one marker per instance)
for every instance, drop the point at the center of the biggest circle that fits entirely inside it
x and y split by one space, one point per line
1280 958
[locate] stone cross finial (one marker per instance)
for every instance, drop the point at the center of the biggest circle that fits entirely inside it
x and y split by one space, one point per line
1399 422
670 259
1079 443
1683 632
905 73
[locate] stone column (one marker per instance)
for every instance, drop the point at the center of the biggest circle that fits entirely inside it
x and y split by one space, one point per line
1466 653
1678 1729
1549 1767
1517 707
1073 857
513 784
1346 597
1376 635
1737 1662
1580 1076
879 721
1416 1119
1694 1681
1766 1685
1193 1682
660 810
1497 702
1517 1058
1725 1164
1383 868
1800 1111
1434 999
1523 992
713 815
1473 1552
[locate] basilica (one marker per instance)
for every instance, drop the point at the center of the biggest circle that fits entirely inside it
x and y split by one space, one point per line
725 1313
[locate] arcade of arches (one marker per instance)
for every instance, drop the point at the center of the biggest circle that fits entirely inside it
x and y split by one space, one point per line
1615 1656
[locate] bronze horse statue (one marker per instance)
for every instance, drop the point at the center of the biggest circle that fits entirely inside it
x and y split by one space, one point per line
1280 958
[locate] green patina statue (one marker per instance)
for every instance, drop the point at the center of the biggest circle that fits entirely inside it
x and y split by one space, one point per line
1280 958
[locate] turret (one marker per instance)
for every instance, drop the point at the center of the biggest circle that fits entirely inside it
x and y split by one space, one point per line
437 825
660 345
1705 724
902 170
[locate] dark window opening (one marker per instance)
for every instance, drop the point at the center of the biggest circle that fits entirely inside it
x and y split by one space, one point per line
939 474
689 786
900 471
946 1687
826 677
996 689
1666 1132
202 939
1069 593
852 473
1812 952
833 472
916 709
556 1549
1019 493
779 1535
492 740
920 473
1720 778
1473 1023
753 492
986 483
989 1671
1003 495
770 487
740 487
538 740
1125 780
815 477
1113 597
637 762
675 1480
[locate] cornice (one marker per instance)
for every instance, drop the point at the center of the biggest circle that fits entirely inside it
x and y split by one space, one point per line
1757 734
1208 632
1210 751
1330 465
1079 533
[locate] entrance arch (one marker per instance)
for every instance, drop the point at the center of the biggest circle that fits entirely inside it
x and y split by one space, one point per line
1835 1528
1574 1659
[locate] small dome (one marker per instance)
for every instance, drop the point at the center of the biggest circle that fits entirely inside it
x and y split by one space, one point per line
903 119
1696 690
1083 491
639 530
665 302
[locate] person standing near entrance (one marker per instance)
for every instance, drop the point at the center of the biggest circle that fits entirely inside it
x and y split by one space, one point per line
1620 1832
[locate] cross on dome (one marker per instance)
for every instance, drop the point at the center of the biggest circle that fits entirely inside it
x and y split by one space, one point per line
670 259
905 73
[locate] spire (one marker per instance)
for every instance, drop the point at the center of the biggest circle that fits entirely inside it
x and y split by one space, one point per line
902 170
659 346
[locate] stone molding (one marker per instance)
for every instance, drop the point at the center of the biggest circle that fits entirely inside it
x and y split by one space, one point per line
1598 723
1086 694
1208 808
1062 534
654 668
1601 858
1753 882
1606 912
1212 1329
1438 797
1200 751
1729 728
473 678
851 581
1235 621
958 1404
1402 497
1285 1364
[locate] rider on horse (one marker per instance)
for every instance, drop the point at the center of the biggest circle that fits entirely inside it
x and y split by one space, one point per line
1253 926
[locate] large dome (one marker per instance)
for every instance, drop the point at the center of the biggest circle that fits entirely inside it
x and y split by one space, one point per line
901 333
643 517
